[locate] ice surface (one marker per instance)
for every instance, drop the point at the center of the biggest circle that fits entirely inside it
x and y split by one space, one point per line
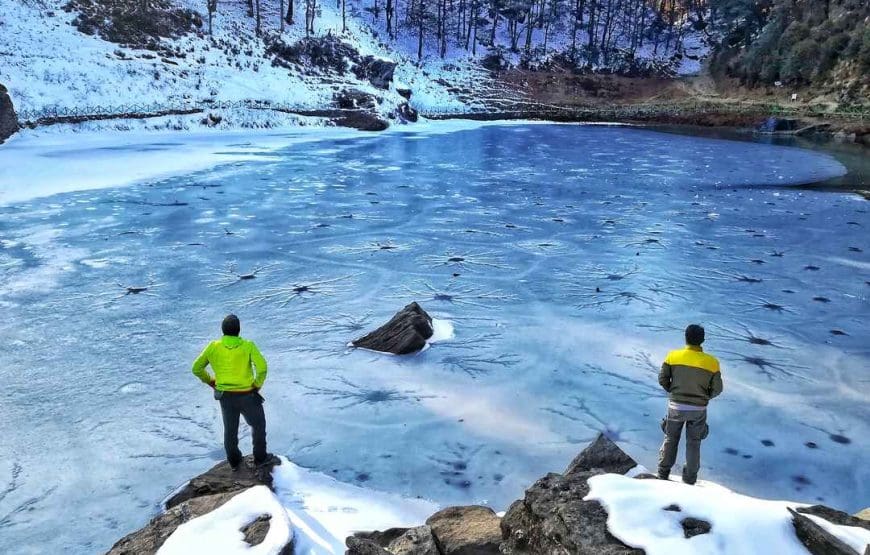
102 414
741 525
219 532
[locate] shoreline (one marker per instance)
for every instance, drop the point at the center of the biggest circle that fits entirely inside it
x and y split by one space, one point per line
114 152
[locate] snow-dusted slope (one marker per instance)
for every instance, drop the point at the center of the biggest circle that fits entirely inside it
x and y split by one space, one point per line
48 64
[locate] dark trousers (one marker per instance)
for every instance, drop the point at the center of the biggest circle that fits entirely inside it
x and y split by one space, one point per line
696 430
250 406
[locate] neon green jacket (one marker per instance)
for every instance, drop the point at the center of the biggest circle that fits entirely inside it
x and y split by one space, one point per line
233 360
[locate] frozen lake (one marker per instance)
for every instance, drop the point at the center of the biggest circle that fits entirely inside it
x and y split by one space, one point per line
568 259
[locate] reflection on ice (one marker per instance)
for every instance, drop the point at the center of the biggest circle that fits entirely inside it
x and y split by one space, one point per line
568 260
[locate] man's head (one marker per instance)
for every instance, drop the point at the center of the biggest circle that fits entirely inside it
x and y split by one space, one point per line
232 326
694 335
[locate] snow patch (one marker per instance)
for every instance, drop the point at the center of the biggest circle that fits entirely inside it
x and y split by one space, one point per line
442 330
324 511
219 532
741 525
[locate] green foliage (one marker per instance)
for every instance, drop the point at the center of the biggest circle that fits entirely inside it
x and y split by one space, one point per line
765 41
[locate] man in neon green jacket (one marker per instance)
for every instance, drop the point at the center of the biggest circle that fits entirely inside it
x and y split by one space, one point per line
239 373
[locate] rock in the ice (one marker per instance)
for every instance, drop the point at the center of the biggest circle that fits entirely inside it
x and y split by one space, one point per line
602 454
554 518
378 71
470 530
405 333
8 118
222 479
834 516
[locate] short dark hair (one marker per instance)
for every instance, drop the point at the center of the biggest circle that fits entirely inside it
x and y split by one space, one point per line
694 335
231 325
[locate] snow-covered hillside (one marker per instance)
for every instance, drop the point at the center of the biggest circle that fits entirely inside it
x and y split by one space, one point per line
53 68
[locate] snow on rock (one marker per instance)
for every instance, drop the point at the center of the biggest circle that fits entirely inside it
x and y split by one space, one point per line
219 532
741 525
324 511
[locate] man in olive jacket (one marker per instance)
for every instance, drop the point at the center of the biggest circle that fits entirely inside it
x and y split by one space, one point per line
691 377
237 387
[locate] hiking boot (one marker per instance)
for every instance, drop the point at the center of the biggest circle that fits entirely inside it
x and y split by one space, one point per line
663 476
270 460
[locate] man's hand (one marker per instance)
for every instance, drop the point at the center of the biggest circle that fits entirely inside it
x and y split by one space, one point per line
211 384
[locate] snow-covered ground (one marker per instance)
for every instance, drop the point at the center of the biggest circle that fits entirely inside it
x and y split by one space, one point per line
741 525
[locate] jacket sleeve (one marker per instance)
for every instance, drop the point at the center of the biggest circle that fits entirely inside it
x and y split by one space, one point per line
199 366
716 384
260 365
665 376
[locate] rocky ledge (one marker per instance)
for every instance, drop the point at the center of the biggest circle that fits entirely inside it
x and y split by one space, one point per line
8 119
200 496
555 518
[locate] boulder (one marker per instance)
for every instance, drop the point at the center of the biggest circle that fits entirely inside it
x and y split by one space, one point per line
222 479
404 91
553 518
471 530
416 541
778 125
8 118
378 71
406 113
602 454
816 539
361 546
362 120
405 333
355 99
384 538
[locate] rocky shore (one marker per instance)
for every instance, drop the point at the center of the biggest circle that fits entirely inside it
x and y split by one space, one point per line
557 515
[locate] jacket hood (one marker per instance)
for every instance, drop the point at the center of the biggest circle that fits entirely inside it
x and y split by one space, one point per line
231 341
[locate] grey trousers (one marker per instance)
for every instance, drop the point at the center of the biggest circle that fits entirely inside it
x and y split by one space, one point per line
696 430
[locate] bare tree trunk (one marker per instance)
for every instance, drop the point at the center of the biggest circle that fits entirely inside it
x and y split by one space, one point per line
420 20
289 16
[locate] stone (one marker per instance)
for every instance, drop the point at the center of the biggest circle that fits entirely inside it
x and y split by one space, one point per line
362 120
382 538
8 118
601 454
553 518
404 91
378 71
816 539
778 125
470 530
834 516
149 539
355 99
695 527
406 113
416 541
222 479
405 333
362 546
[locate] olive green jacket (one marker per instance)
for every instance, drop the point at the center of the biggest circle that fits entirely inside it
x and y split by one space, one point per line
691 376
233 360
